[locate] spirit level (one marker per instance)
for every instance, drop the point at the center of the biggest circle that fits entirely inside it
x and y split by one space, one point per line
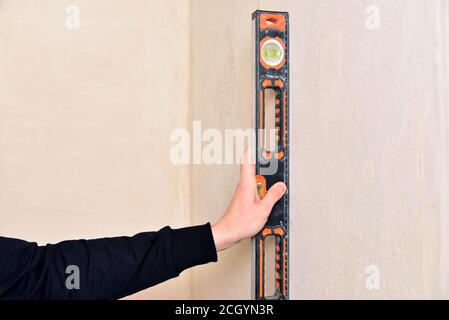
272 74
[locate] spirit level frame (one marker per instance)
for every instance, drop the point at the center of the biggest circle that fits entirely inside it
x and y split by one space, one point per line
272 165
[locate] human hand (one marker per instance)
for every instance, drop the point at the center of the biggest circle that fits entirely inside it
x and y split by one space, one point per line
247 213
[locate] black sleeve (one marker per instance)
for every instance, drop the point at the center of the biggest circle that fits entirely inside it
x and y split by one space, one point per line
109 268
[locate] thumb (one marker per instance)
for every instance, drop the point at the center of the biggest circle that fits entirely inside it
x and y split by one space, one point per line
273 195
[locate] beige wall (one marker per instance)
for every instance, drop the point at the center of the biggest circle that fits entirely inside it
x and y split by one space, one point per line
85 118
221 98
369 144
370 149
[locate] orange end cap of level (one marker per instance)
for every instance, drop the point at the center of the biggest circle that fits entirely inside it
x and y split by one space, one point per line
272 21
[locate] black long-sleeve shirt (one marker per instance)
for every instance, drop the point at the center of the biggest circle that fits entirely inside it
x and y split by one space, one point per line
109 268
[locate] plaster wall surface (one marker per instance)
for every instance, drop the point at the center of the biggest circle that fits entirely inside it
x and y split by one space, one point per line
369 144
86 115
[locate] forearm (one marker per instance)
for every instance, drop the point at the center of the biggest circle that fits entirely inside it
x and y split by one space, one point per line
109 268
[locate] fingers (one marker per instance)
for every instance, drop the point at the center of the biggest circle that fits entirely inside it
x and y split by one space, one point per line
247 173
273 195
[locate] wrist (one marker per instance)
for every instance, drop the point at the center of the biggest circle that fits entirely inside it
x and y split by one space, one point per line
222 236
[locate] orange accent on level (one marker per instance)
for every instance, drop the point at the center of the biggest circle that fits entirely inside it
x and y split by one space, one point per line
272 21
279 231
266 232
285 266
280 155
267 155
266 83
279 83
261 275
261 110
284 142
261 179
